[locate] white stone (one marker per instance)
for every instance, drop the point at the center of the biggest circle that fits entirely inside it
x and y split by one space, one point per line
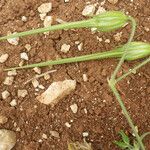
12 73
13 103
74 108
3 58
85 78
57 91
66 1
24 56
13 41
7 139
67 124
107 41
85 134
37 70
22 93
9 80
42 16
24 18
100 10
48 21
113 1
44 136
41 87
45 8
118 36
5 95
80 46
88 10
65 48
46 76
54 134
3 119
28 47
35 83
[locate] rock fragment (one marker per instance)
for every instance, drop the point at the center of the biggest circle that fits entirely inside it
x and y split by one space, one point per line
65 48
7 139
3 119
88 10
22 93
24 56
45 8
74 108
5 95
55 134
48 21
57 91
3 58
113 1
13 41
9 80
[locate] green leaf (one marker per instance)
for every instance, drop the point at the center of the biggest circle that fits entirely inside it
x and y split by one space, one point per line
125 138
121 144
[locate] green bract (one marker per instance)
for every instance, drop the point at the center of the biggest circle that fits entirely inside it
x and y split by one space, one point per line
110 20
106 21
136 50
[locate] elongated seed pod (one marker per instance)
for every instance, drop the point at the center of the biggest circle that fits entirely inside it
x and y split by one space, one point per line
104 22
110 20
136 50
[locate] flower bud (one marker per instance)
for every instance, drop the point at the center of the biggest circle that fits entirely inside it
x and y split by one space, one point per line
137 50
110 20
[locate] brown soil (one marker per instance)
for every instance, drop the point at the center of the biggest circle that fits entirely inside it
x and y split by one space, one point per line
104 118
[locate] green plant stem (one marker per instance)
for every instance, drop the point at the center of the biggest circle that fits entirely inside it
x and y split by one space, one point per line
112 83
133 22
133 70
125 112
71 25
101 55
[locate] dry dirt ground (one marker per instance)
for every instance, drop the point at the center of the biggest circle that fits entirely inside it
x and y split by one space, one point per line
98 111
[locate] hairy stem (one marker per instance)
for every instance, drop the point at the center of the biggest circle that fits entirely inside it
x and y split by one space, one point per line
133 69
125 48
112 83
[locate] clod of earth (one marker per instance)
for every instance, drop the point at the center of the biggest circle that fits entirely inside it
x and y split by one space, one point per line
7 139
56 91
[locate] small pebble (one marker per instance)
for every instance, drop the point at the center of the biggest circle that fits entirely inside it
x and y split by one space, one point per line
45 8
46 76
66 1
5 95
107 41
74 108
55 134
7 139
85 78
48 21
12 73
100 10
44 136
65 48
22 93
118 36
24 56
28 47
41 87
13 103
67 124
9 80
3 119
80 46
24 18
88 10
113 1
85 134
37 70
35 83
42 16
3 58
13 41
